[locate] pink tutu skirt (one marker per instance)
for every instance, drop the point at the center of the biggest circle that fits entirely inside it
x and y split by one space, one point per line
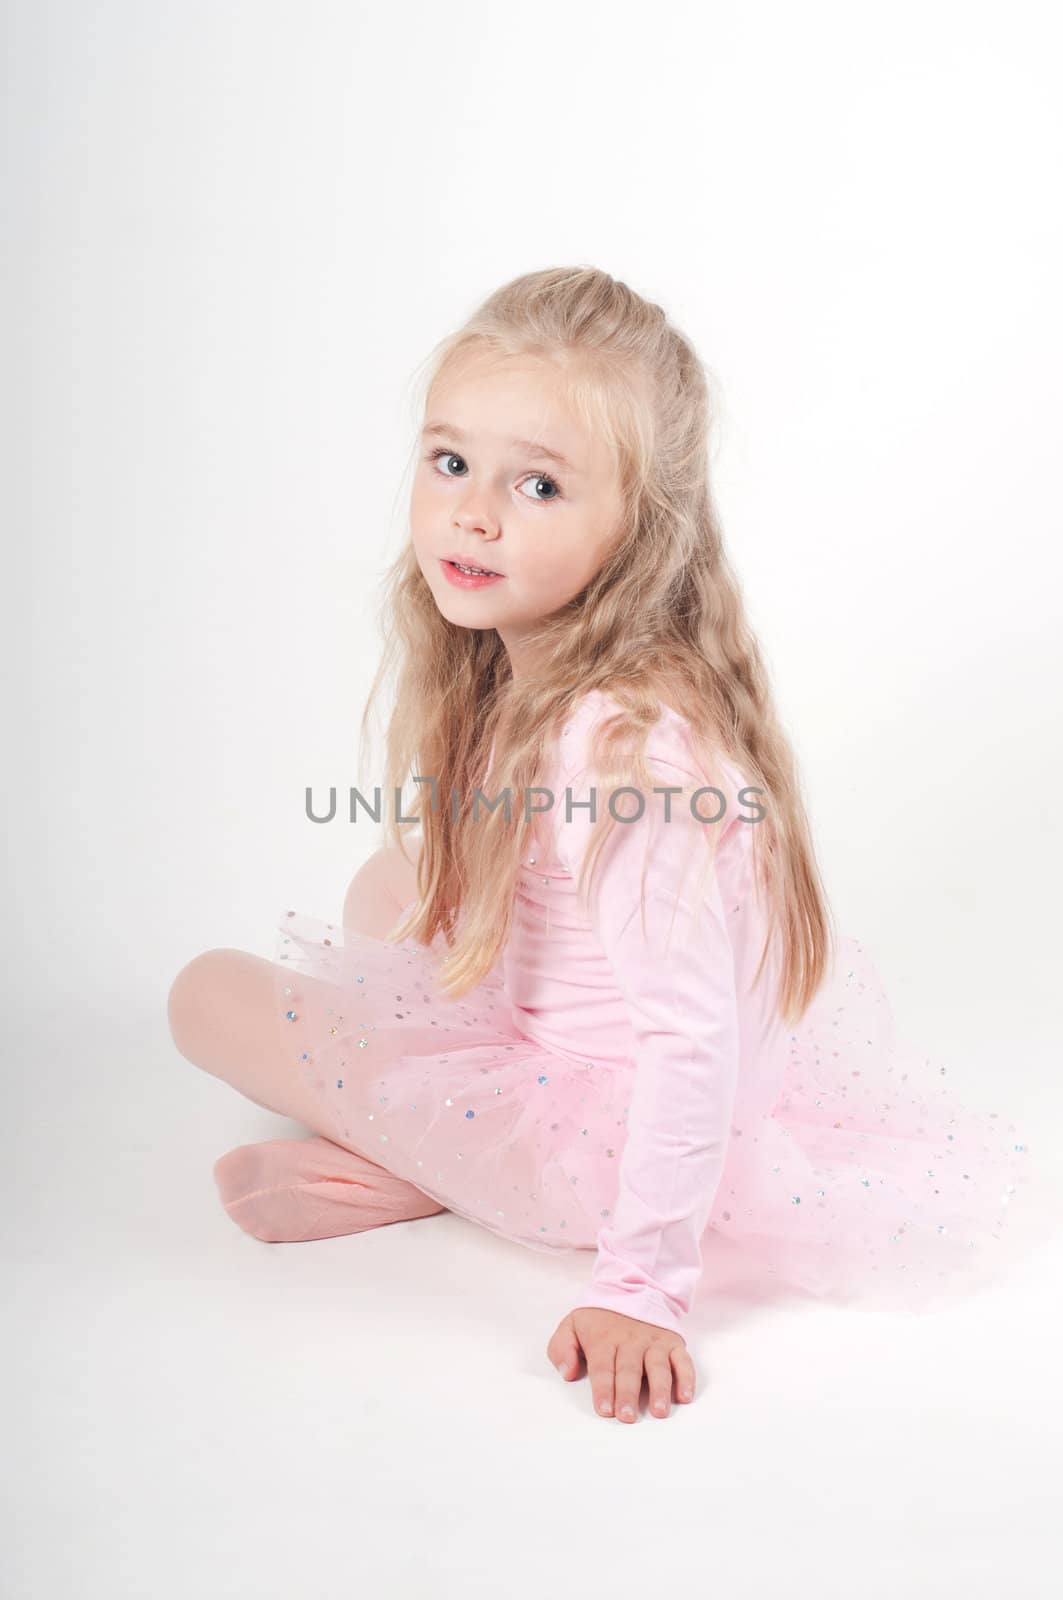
861 1178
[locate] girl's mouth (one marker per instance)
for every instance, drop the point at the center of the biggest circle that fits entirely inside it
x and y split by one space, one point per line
469 578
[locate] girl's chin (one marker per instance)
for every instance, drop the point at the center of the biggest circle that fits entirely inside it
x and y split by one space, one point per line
466 610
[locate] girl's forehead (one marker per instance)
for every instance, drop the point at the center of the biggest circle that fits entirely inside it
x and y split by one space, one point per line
532 377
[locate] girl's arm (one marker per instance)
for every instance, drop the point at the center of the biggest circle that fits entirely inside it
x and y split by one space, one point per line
678 981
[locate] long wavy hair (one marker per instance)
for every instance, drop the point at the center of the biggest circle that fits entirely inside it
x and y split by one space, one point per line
662 623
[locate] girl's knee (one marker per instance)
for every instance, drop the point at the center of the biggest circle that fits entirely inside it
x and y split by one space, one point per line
381 890
199 997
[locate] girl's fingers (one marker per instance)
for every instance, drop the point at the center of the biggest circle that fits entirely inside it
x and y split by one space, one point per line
659 1376
564 1349
600 1370
628 1379
564 1352
684 1373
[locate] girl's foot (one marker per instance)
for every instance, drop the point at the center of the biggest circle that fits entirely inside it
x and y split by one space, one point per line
287 1190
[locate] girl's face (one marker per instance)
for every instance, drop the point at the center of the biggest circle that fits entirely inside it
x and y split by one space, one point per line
512 481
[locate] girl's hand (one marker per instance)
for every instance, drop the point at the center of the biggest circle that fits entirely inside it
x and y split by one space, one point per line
618 1350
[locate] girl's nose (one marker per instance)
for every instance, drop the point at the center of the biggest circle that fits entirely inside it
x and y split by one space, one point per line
475 515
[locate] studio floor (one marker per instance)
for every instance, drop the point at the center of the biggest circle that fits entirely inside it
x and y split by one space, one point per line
193 1411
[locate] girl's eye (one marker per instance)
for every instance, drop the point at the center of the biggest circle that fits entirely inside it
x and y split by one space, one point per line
443 454
541 477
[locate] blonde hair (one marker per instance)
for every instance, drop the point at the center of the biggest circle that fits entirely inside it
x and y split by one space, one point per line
662 622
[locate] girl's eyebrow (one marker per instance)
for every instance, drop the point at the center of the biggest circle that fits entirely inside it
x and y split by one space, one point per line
448 430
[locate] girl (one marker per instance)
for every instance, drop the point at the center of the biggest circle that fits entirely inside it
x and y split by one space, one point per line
599 1004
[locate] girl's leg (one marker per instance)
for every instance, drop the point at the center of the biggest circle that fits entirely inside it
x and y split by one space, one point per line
223 1017
381 890
222 1005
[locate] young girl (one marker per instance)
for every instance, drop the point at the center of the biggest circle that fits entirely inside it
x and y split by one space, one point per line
598 1005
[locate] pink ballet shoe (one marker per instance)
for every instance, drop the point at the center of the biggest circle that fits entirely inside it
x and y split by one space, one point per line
284 1191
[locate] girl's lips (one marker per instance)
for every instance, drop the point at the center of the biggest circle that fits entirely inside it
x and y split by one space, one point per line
468 580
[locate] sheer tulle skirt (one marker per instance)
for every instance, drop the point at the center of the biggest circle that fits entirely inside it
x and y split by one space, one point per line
873 1181
866 1179
447 1093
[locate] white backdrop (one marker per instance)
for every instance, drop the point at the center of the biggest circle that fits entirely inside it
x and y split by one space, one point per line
234 231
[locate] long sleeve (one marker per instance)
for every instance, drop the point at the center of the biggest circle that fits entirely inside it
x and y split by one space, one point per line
677 978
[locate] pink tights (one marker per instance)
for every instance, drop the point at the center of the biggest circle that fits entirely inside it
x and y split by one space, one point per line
223 1018
289 1189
